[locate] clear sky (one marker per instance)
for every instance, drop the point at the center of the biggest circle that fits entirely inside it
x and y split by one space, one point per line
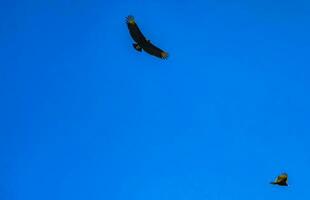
85 116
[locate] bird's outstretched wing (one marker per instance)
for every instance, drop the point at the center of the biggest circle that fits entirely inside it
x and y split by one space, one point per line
153 50
134 30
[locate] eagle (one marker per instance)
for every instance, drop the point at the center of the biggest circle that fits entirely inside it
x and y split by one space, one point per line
141 43
281 180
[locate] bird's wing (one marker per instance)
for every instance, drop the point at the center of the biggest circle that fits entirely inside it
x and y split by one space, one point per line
154 50
134 30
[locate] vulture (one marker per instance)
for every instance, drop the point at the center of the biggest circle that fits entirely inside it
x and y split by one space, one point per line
141 43
281 180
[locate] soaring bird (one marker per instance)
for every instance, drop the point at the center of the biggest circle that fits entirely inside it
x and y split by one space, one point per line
281 180
141 43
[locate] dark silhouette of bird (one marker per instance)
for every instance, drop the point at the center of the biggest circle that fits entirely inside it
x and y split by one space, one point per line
281 180
141 43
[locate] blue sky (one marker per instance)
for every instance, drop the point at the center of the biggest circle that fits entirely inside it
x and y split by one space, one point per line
85 116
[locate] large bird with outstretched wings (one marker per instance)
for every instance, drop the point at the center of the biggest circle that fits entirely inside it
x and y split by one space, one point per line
141 43
281 180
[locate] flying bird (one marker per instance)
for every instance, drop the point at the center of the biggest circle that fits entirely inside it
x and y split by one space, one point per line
141 43
281 180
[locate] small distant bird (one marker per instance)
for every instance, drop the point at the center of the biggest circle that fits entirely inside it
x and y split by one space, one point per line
141 42
281 180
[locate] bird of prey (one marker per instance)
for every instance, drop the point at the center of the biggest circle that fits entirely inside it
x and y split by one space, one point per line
141 43
281 180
